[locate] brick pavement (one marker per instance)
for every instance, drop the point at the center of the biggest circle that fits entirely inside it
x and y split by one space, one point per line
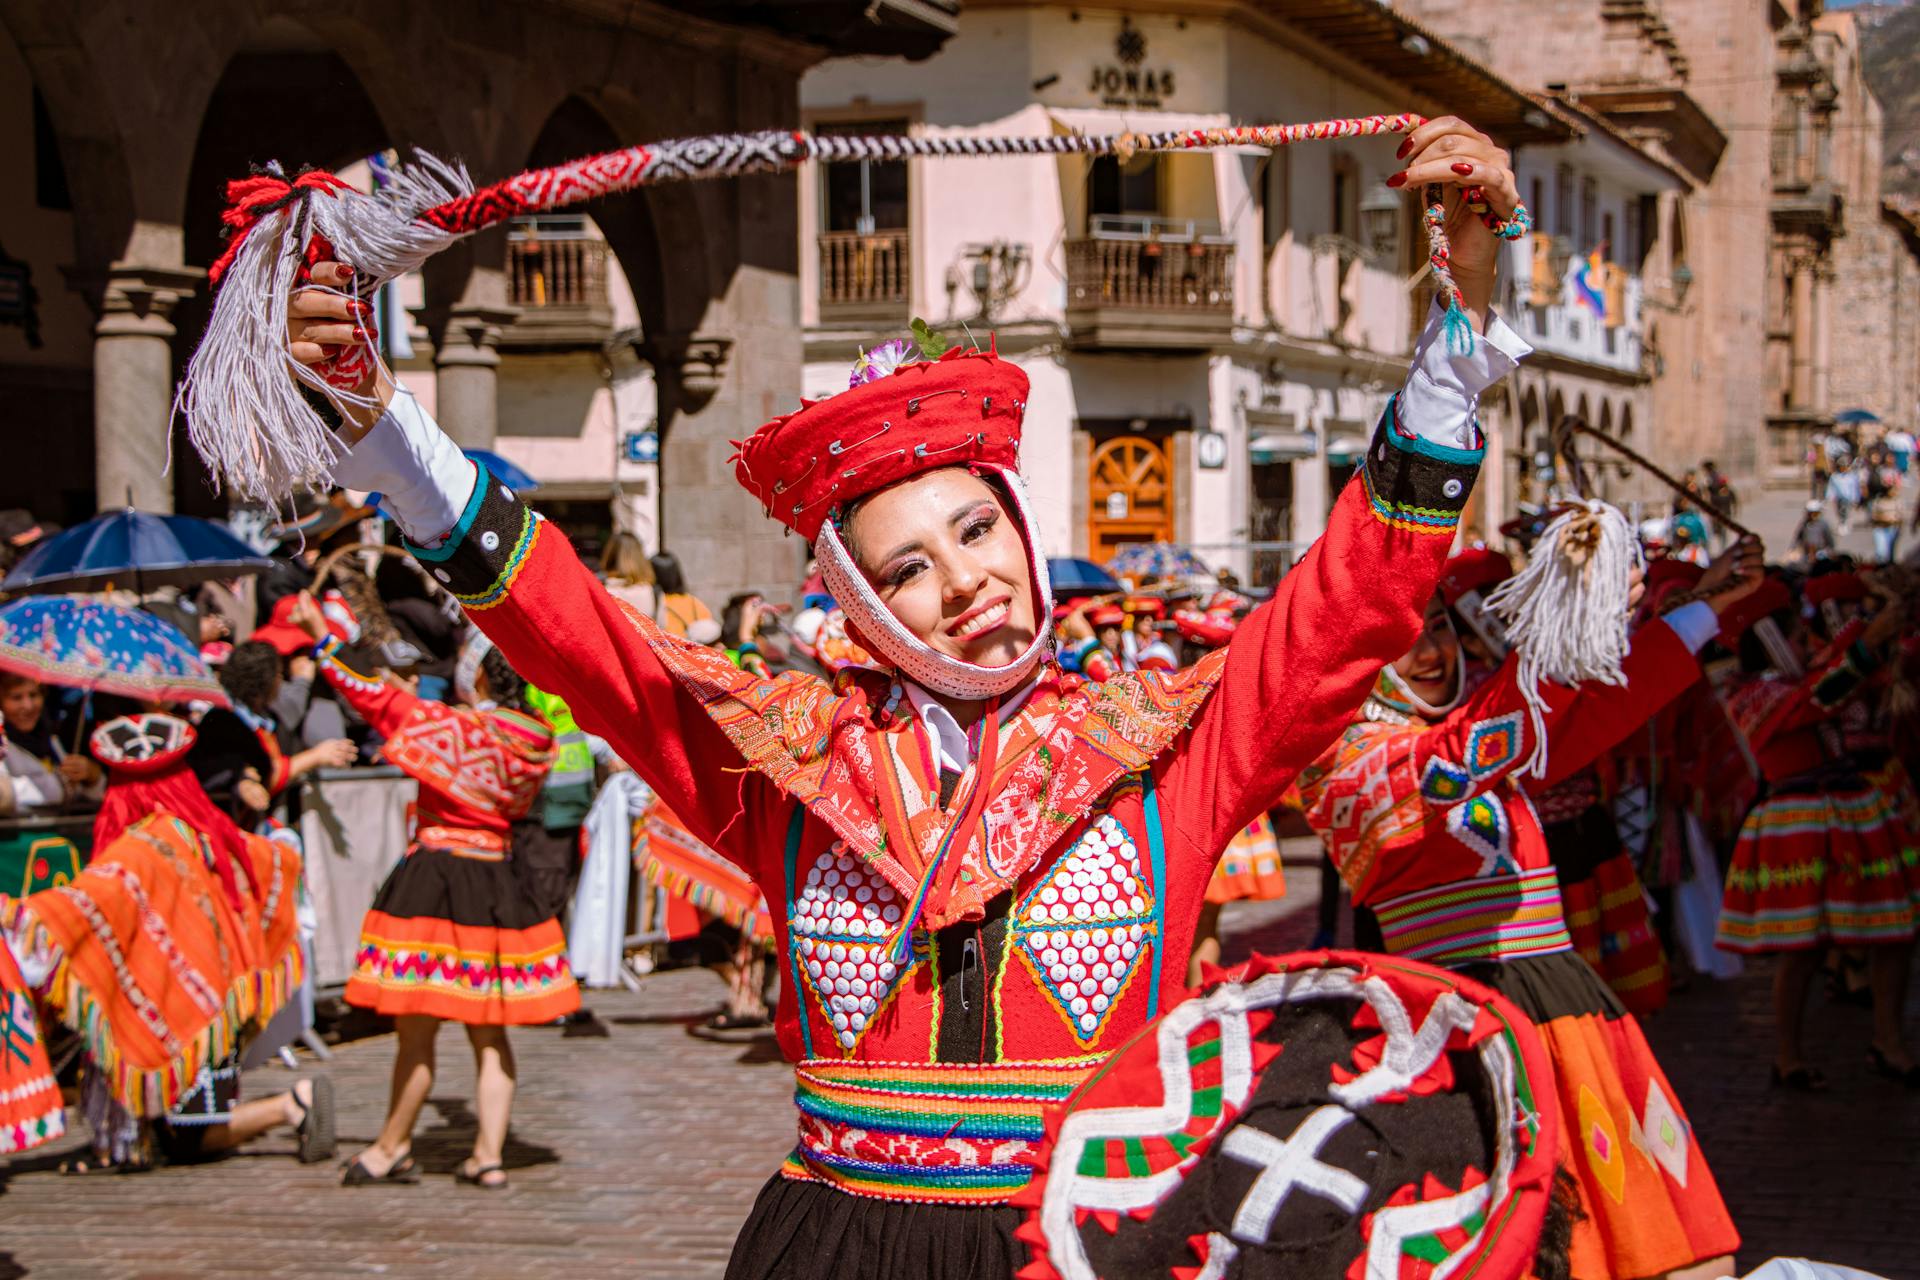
639 1155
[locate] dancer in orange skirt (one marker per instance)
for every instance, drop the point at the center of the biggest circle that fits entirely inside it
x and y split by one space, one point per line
450 936
1829 855
1420 807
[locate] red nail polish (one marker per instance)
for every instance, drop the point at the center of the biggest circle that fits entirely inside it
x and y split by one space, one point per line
1398 179
1462 168
1405 147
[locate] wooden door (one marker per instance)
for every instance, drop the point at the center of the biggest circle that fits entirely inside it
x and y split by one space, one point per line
1129 494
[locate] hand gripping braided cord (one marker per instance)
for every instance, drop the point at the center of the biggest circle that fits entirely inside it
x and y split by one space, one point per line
258 434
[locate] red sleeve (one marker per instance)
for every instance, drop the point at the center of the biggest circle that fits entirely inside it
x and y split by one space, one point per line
522 584
383 705
1302 663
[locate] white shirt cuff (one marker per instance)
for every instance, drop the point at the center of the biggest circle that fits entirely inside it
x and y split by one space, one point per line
1443 388
1695 623
424 479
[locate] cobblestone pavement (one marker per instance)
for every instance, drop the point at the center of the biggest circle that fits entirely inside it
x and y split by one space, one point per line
639 1155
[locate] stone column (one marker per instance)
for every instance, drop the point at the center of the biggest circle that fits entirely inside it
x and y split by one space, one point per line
467 364
133 379
1820 399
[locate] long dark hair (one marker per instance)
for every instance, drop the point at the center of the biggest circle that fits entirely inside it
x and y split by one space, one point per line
667 574
505 686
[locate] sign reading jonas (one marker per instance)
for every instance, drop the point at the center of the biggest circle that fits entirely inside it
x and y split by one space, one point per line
1129 84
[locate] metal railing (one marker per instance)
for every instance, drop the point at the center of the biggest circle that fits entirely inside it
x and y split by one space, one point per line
556 263
864 268
1150 274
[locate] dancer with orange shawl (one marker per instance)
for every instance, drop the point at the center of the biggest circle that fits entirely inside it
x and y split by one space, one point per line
176 939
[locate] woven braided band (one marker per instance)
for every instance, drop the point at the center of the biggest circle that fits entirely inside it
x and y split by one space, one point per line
934 1133
1469 921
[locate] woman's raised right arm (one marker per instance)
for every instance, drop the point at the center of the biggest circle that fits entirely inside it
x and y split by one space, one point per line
520 581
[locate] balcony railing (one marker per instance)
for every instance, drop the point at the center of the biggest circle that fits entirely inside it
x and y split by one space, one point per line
865 273
557 277
1150 274
556 267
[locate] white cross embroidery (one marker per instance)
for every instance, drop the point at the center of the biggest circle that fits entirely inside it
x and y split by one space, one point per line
1287 1163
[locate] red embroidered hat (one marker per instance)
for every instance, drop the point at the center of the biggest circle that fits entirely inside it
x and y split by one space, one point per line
1476 569
1836 586
1769 598
141 745
1667 570
1322 1116
963 409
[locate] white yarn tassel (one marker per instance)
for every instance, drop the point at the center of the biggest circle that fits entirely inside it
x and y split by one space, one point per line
245 415
1567 612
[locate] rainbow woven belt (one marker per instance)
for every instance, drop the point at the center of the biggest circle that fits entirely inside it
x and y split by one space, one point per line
1470 921
933 1133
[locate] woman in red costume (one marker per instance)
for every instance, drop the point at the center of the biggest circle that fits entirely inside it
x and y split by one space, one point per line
984 872
1829 855
1421 807
450 936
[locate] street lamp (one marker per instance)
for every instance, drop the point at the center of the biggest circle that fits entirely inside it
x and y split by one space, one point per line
1380 214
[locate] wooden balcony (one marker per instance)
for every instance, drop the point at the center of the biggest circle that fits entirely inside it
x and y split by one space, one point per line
1155 288
557 276
865 276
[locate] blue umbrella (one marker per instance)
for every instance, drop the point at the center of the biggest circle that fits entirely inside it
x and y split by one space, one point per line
137 550
100 647
1854 417
1073 577
503 471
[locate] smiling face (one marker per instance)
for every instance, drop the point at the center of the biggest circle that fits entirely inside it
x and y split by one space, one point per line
1430 667
21 701
946 557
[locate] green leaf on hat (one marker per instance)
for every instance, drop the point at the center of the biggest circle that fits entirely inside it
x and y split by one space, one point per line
932 345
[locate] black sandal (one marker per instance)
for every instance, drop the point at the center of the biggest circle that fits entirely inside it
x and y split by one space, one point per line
478 1178
317 1141
88 1167
1800 1080
403 1173
1910 1076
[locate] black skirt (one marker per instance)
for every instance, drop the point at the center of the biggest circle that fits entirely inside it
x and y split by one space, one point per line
1559 985
810 1231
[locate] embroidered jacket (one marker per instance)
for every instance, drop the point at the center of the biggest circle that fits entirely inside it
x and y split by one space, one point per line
1791 724
1107 807
1409 809
477 770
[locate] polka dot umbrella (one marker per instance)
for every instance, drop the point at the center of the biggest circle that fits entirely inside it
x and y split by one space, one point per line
89 644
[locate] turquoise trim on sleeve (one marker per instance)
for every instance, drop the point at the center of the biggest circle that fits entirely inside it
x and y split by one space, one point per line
1427 448
1157 854
793 954
457 534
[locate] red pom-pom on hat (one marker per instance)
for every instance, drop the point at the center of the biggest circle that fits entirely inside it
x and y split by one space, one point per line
1476 569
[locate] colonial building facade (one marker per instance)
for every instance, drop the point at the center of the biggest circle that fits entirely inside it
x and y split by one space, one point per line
123 121
1210 337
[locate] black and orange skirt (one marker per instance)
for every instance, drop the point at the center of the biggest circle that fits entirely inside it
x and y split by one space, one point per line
452 934
1649 1201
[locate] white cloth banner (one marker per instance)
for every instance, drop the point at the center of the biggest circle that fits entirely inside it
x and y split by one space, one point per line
353 825
597 926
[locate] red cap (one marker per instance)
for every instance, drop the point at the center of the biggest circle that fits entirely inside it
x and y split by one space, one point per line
1147 606
962 409
1203 628
1108 615
287 638
1668 569
1769 597
1836 586
1476 569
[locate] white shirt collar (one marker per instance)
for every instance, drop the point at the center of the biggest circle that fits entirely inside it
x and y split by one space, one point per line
950 741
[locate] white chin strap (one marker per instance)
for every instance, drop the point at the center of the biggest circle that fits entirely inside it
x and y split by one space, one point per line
919 662
1420 704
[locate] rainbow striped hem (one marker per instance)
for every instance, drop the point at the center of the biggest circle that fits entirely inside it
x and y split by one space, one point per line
1469 921
933 1133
